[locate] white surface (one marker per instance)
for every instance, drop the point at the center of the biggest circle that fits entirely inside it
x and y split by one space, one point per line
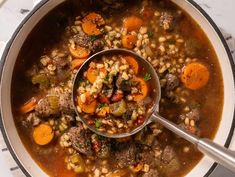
222 12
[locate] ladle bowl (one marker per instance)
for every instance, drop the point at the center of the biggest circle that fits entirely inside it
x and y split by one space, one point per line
219 153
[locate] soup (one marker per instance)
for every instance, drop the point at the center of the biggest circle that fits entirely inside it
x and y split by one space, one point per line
114 96
163 34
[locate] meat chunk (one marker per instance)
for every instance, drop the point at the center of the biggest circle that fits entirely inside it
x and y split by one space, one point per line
83 40
151 173
66 104
125 154
47 107
172 82
194 114
168 154
167 21
80 139
147 157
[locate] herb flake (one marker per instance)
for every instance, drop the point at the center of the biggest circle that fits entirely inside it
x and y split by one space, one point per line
93 38
150 34
147 77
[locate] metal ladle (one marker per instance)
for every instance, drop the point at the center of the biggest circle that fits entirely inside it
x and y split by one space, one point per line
220 154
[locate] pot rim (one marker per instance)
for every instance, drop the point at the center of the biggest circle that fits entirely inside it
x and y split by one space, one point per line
40 4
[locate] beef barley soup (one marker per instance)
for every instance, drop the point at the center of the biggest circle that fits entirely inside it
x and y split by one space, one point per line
159 31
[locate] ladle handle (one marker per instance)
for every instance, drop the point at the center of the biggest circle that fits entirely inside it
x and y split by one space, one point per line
220 154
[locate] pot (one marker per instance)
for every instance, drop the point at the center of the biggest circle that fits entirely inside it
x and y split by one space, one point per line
13 46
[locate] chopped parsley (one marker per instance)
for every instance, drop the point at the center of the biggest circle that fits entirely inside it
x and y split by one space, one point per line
125 82
150 34
147 77
101 105
98 123
106 78
93 38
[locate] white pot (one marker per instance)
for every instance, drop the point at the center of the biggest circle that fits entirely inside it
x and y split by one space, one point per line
17 149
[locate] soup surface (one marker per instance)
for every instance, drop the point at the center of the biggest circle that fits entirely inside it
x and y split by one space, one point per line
161 32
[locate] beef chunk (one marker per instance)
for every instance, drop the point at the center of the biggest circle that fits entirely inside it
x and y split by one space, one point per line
83 40
167 21
194 114
125 154
168 154
172 82
151 173
97 45
44 108
80 139
66 104
147 156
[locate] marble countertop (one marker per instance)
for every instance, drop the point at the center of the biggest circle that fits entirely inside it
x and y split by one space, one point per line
13 11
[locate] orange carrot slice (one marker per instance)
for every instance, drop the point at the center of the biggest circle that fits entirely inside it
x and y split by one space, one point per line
195 76
133 63
143 89
92 73
132 23
89 106
79 52
75 64
129 41
91 22
43 134
29 105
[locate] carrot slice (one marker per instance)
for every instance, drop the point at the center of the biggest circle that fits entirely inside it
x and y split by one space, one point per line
91 22
132 23
43 134
143 88
195 76
89 106
29 105
103 111
129 41
92 73
79 52
133 63
75 64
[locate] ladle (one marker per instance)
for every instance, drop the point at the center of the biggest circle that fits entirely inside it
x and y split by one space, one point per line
220 154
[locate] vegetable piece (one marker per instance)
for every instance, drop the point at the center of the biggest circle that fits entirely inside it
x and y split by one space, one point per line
118 108
54 103
92 73
89 106
118 173
79 52
98 123
147 77
103 111
41 79
103 99
195 76
137 167
79 163
91 22
43 134
117 97
75 64
132 23
133 63
29 105
129 41
143 87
